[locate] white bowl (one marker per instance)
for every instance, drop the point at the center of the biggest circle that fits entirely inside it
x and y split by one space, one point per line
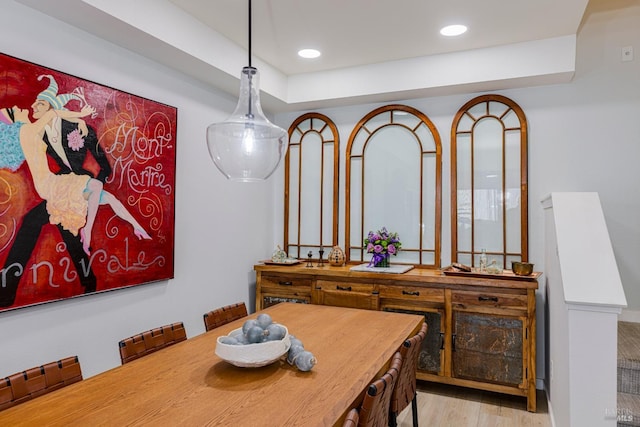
253 355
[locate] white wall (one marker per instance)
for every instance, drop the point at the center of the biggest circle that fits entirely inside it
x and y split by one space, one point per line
557 375
220 226
583 136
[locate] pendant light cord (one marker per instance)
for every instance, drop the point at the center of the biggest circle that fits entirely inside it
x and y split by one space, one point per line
249 33
250 70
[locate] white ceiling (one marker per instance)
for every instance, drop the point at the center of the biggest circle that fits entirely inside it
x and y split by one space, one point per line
372 50
361 32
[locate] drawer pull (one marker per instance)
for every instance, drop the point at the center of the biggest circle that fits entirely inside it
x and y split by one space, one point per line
413 293
453 342
494 299
343 288
441 340
281 283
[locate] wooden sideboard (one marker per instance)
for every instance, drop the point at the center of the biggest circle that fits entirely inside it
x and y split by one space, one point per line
482 328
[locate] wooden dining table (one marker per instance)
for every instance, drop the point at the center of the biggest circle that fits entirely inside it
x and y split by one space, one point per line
187 384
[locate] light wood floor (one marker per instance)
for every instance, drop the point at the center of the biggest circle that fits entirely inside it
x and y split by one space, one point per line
441 405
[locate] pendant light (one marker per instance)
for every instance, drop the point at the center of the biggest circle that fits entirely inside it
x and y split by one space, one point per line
247 147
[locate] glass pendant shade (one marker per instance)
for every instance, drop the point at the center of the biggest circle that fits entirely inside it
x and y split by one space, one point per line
247 147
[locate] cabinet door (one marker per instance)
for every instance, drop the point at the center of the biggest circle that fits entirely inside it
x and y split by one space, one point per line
430 359
489 348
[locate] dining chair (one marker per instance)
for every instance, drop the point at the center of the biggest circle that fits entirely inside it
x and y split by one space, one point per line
405 389
352 418
150 341
26 385
223 315
374 411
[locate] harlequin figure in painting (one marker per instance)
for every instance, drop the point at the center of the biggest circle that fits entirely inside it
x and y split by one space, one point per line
71 195
72 200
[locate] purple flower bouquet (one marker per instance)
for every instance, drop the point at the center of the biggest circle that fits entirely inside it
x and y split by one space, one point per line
382 244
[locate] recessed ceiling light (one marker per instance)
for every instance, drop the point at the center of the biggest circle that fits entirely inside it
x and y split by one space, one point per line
309 53
453 30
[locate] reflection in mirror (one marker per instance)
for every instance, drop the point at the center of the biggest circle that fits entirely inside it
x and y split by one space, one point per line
489 182
311 186
393 180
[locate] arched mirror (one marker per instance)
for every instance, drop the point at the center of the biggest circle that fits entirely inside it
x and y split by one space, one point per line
394 180
489 182
311 186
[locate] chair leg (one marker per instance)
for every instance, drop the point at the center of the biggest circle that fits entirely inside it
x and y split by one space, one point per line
393 419
414 410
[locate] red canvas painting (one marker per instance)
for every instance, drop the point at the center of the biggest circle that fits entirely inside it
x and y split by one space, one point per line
87 186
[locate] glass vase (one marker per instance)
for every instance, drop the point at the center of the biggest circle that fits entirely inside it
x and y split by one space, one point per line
383 262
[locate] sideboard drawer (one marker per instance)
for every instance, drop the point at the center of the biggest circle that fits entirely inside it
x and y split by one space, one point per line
328 285
412 293
475 299
297 285
346 294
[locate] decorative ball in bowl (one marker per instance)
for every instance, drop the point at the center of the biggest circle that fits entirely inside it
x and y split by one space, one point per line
252 355
521 268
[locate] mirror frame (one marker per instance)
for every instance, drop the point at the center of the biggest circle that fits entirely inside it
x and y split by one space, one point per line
437 189
318 123
455 132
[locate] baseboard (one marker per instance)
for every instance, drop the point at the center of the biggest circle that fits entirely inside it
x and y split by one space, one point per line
629 315
549 407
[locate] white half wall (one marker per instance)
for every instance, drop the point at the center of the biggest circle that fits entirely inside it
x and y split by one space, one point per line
585 297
